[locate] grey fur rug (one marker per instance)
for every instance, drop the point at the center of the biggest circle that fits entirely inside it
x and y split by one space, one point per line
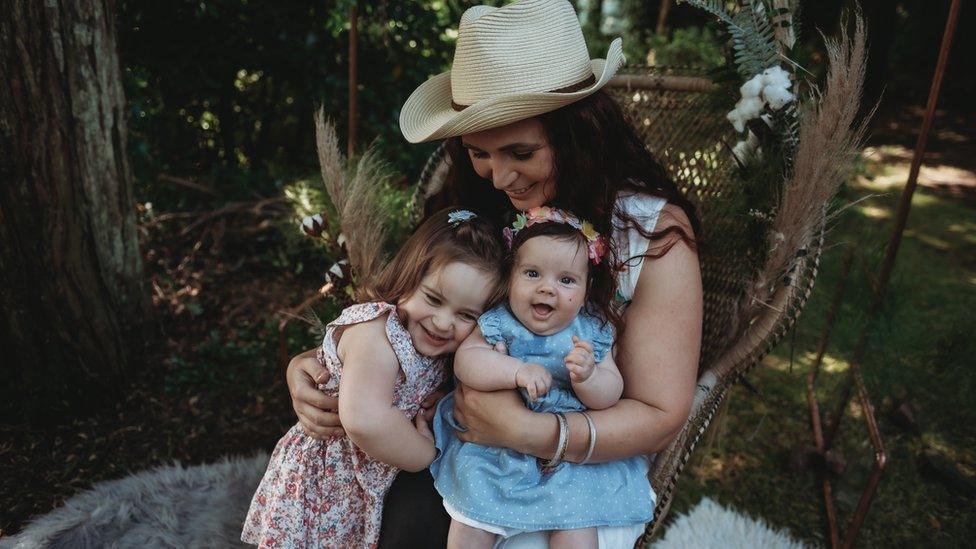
205 505
174 506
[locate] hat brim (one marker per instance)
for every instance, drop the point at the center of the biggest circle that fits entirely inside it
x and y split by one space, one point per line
428 114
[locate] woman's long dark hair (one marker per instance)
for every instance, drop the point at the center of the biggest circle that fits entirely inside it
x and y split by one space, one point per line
597 155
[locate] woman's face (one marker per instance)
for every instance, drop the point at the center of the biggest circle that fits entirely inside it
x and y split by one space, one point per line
517 160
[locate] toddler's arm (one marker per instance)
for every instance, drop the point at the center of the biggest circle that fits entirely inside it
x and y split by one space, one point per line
598 386
478 365
370 370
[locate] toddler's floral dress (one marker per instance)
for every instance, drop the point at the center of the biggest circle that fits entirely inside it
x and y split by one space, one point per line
329 493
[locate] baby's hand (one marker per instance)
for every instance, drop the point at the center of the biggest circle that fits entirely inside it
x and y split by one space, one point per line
534 378
580 361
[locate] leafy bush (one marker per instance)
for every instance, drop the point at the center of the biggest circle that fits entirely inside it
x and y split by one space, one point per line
687 47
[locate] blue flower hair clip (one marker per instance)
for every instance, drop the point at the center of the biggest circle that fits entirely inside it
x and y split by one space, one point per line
457 216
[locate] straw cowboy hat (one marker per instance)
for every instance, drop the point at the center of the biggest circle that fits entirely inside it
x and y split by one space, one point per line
511 63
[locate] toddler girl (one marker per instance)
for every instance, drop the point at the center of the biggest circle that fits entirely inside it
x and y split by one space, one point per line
385 357
557 329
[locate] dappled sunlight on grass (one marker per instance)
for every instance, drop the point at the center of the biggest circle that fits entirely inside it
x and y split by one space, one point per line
920 353
937 442
874 212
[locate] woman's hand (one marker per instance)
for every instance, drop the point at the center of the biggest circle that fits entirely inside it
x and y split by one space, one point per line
492 418
316 411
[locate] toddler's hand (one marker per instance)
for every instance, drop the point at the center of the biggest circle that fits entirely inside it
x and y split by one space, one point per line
534 378
580 361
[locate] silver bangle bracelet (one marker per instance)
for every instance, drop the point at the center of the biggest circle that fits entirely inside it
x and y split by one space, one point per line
561 445
592 444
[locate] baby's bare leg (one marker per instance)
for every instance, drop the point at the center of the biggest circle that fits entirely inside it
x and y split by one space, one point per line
462 536
581 538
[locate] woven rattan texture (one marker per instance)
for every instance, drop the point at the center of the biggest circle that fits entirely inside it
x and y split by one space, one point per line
687 132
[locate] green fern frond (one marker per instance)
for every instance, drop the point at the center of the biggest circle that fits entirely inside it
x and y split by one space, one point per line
715 7
753 42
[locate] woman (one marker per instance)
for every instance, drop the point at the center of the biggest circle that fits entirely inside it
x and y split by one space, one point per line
527 125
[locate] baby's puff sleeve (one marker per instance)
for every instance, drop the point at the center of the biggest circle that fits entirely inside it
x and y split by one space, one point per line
600 334
491 323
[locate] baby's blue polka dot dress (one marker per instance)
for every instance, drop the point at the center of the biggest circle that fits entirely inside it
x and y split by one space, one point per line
506 488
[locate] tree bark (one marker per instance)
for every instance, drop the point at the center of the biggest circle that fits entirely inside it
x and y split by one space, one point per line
72 304
662 17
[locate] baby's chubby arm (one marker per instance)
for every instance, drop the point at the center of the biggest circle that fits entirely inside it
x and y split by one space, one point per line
479 366
370 370
598 386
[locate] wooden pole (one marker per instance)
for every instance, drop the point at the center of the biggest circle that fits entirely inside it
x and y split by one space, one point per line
353 79
906 198
662 17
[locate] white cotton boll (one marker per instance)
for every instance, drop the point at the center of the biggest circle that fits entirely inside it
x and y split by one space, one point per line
777 96
735 117
776 76
750 107
753 87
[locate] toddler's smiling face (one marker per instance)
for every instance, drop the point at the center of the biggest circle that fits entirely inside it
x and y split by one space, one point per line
547 287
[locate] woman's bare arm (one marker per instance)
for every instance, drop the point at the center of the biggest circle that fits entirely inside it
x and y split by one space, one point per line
658 358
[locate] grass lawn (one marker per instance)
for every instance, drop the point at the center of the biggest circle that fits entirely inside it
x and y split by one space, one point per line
920 352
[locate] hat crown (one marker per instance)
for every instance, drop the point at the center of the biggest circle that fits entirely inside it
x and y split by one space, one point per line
528 46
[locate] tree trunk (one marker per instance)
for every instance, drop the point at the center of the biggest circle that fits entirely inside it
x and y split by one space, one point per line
72 305
662 17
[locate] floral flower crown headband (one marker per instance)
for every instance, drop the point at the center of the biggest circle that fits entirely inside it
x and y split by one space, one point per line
596 245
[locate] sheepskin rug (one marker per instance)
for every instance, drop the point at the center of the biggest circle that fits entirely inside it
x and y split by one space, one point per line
204 506
711 526
172 506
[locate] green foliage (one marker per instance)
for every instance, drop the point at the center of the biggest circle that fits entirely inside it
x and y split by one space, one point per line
217 362
687 47
752 36
236 92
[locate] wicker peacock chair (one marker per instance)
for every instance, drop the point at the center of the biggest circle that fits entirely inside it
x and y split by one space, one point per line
676 114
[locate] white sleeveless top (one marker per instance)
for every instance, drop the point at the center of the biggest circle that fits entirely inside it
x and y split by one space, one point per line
630 244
